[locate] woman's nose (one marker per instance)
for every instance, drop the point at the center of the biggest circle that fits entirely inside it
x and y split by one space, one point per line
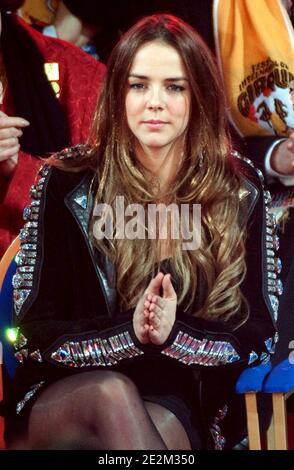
155 99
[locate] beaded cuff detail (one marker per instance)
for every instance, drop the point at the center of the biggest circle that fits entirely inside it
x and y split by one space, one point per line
205 352
96 351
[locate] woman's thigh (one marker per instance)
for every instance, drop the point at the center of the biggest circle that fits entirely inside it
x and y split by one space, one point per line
96 409
78 405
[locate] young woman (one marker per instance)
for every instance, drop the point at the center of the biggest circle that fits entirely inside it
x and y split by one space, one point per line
129 337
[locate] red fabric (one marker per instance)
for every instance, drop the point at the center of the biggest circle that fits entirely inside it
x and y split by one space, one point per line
16 198
80 79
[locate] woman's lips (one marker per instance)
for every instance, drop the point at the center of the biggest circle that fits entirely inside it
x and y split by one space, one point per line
154 124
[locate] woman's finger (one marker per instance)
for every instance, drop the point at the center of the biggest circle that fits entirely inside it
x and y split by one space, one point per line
5 154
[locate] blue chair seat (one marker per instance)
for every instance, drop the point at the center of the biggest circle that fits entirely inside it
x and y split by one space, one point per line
251 379
281 378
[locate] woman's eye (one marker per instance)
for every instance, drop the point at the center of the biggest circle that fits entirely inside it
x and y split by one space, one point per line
175 88
137 86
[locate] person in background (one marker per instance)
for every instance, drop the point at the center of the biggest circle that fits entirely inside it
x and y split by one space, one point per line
71 28
131 335
49 91
100 22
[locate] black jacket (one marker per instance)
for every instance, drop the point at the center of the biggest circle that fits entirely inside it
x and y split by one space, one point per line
67 311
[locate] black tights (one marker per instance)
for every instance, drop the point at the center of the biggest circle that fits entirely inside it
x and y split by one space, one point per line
101 410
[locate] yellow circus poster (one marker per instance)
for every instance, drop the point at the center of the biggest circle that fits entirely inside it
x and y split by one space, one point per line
255 50
39 12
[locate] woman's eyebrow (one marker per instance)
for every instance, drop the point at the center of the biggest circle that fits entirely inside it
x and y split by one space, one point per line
141 77
176 79
171 79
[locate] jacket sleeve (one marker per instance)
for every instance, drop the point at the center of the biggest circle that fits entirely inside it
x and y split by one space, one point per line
200 342
60 313
256 148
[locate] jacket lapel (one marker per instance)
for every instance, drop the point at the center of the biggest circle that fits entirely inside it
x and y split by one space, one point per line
80 203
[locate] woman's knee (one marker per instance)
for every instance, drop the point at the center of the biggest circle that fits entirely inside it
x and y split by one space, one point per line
80 403
114 387
84 394
108 397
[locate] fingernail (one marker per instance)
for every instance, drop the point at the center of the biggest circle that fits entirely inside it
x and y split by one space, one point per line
24 122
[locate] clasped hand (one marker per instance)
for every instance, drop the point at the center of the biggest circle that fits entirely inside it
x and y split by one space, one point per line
155 315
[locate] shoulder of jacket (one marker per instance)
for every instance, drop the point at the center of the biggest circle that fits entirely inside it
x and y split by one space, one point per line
247 169
251 184
55 179
74 153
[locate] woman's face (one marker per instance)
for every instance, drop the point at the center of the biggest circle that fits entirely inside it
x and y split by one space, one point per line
158 97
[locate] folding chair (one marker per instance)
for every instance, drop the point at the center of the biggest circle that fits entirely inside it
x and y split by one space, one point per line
280 383
249 383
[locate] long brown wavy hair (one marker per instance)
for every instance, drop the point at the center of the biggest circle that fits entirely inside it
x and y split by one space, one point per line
206 176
